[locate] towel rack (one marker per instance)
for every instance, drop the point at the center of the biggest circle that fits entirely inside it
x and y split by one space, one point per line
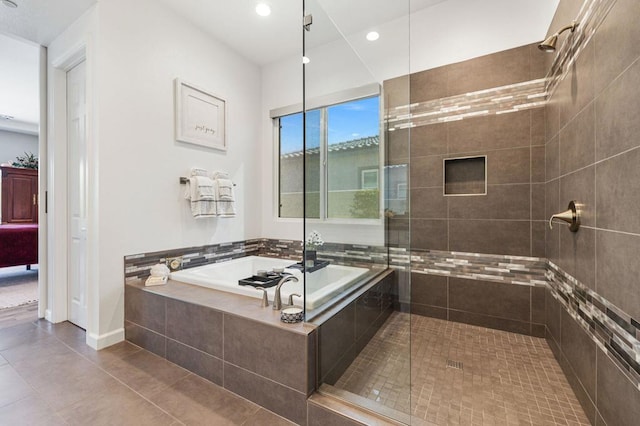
185 180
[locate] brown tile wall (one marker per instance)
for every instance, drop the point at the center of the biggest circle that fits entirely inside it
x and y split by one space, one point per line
505 220
592 156
265 364
343 334
498 305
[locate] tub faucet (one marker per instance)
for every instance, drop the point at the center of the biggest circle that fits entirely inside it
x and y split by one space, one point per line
277 299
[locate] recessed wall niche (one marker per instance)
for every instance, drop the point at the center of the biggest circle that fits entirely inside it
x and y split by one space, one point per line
465 176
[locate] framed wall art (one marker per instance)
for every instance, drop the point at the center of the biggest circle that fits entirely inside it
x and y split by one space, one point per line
200 116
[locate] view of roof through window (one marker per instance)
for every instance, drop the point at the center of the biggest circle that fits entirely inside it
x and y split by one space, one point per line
348 121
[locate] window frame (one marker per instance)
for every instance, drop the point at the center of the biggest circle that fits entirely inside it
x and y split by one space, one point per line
323 103
362 178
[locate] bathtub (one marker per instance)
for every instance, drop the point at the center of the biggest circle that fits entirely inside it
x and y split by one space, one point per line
322 285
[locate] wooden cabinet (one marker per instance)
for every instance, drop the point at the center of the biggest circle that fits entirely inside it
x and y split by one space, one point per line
19 195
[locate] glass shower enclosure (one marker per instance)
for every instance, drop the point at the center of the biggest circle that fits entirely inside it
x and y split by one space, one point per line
355 199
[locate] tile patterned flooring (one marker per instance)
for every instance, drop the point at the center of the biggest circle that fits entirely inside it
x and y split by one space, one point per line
506 378
48 376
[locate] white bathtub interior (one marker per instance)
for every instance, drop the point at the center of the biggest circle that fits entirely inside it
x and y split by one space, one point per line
322 285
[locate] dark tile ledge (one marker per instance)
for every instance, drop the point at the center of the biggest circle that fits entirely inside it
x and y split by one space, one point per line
228 303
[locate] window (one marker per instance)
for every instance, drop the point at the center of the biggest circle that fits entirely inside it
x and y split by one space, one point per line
342 159
369 179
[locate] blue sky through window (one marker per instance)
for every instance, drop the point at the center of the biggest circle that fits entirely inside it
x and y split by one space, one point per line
347 121
354 120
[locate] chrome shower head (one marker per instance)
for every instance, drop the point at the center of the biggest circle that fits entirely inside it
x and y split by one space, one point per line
549 45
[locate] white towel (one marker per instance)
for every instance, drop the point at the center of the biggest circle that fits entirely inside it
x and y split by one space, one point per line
202 193
197 171
225 190
202 189
225 200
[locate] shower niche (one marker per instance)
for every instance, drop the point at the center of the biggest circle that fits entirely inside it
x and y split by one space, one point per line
465 176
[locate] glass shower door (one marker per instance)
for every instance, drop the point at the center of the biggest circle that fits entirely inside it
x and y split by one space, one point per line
357 275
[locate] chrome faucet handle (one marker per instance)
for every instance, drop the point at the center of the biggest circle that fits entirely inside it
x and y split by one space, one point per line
291 298
265 297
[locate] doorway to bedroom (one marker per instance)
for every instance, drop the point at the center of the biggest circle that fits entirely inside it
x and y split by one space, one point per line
19 152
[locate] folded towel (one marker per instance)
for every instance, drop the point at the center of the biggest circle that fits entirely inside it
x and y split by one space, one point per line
225 190
196 171
225 202
201 191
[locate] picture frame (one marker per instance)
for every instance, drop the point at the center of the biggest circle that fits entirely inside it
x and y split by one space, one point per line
200 116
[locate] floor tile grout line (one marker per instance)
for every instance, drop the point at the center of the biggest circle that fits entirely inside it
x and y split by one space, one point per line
121 382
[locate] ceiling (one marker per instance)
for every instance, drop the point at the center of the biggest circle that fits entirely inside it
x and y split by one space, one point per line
264 40
19 84
22 30
41 21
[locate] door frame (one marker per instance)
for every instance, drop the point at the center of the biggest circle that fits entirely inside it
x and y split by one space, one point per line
42 188
57 221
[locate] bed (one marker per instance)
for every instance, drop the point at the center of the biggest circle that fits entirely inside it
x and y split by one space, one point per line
18 245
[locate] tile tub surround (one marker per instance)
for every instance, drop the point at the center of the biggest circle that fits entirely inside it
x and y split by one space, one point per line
137 266
347 328
227 339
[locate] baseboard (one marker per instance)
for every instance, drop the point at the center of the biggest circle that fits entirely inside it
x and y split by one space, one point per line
102 341
47 315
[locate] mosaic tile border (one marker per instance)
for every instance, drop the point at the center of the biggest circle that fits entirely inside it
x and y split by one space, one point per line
614 331
520 270
137 266
497 100
591 15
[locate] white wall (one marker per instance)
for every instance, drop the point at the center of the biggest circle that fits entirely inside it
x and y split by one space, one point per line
136 200
14 144
452 31
142 47
333 68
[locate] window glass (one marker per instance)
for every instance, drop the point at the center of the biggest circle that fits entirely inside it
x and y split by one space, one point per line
342 162
353 159
291 166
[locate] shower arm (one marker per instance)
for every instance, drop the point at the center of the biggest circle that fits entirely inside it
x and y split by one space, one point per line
572 26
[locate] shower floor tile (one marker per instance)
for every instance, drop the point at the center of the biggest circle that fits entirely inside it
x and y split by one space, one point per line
462 374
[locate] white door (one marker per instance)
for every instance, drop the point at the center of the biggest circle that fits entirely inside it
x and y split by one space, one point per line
77 195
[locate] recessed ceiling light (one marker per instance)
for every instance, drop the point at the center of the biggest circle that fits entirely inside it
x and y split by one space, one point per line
10 3
263 9
6 117
305 60
373 36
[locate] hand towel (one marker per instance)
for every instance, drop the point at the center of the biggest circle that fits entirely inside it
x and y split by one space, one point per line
225 201
225 189
203 197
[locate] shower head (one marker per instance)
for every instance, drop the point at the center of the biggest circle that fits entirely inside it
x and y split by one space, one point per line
549 45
